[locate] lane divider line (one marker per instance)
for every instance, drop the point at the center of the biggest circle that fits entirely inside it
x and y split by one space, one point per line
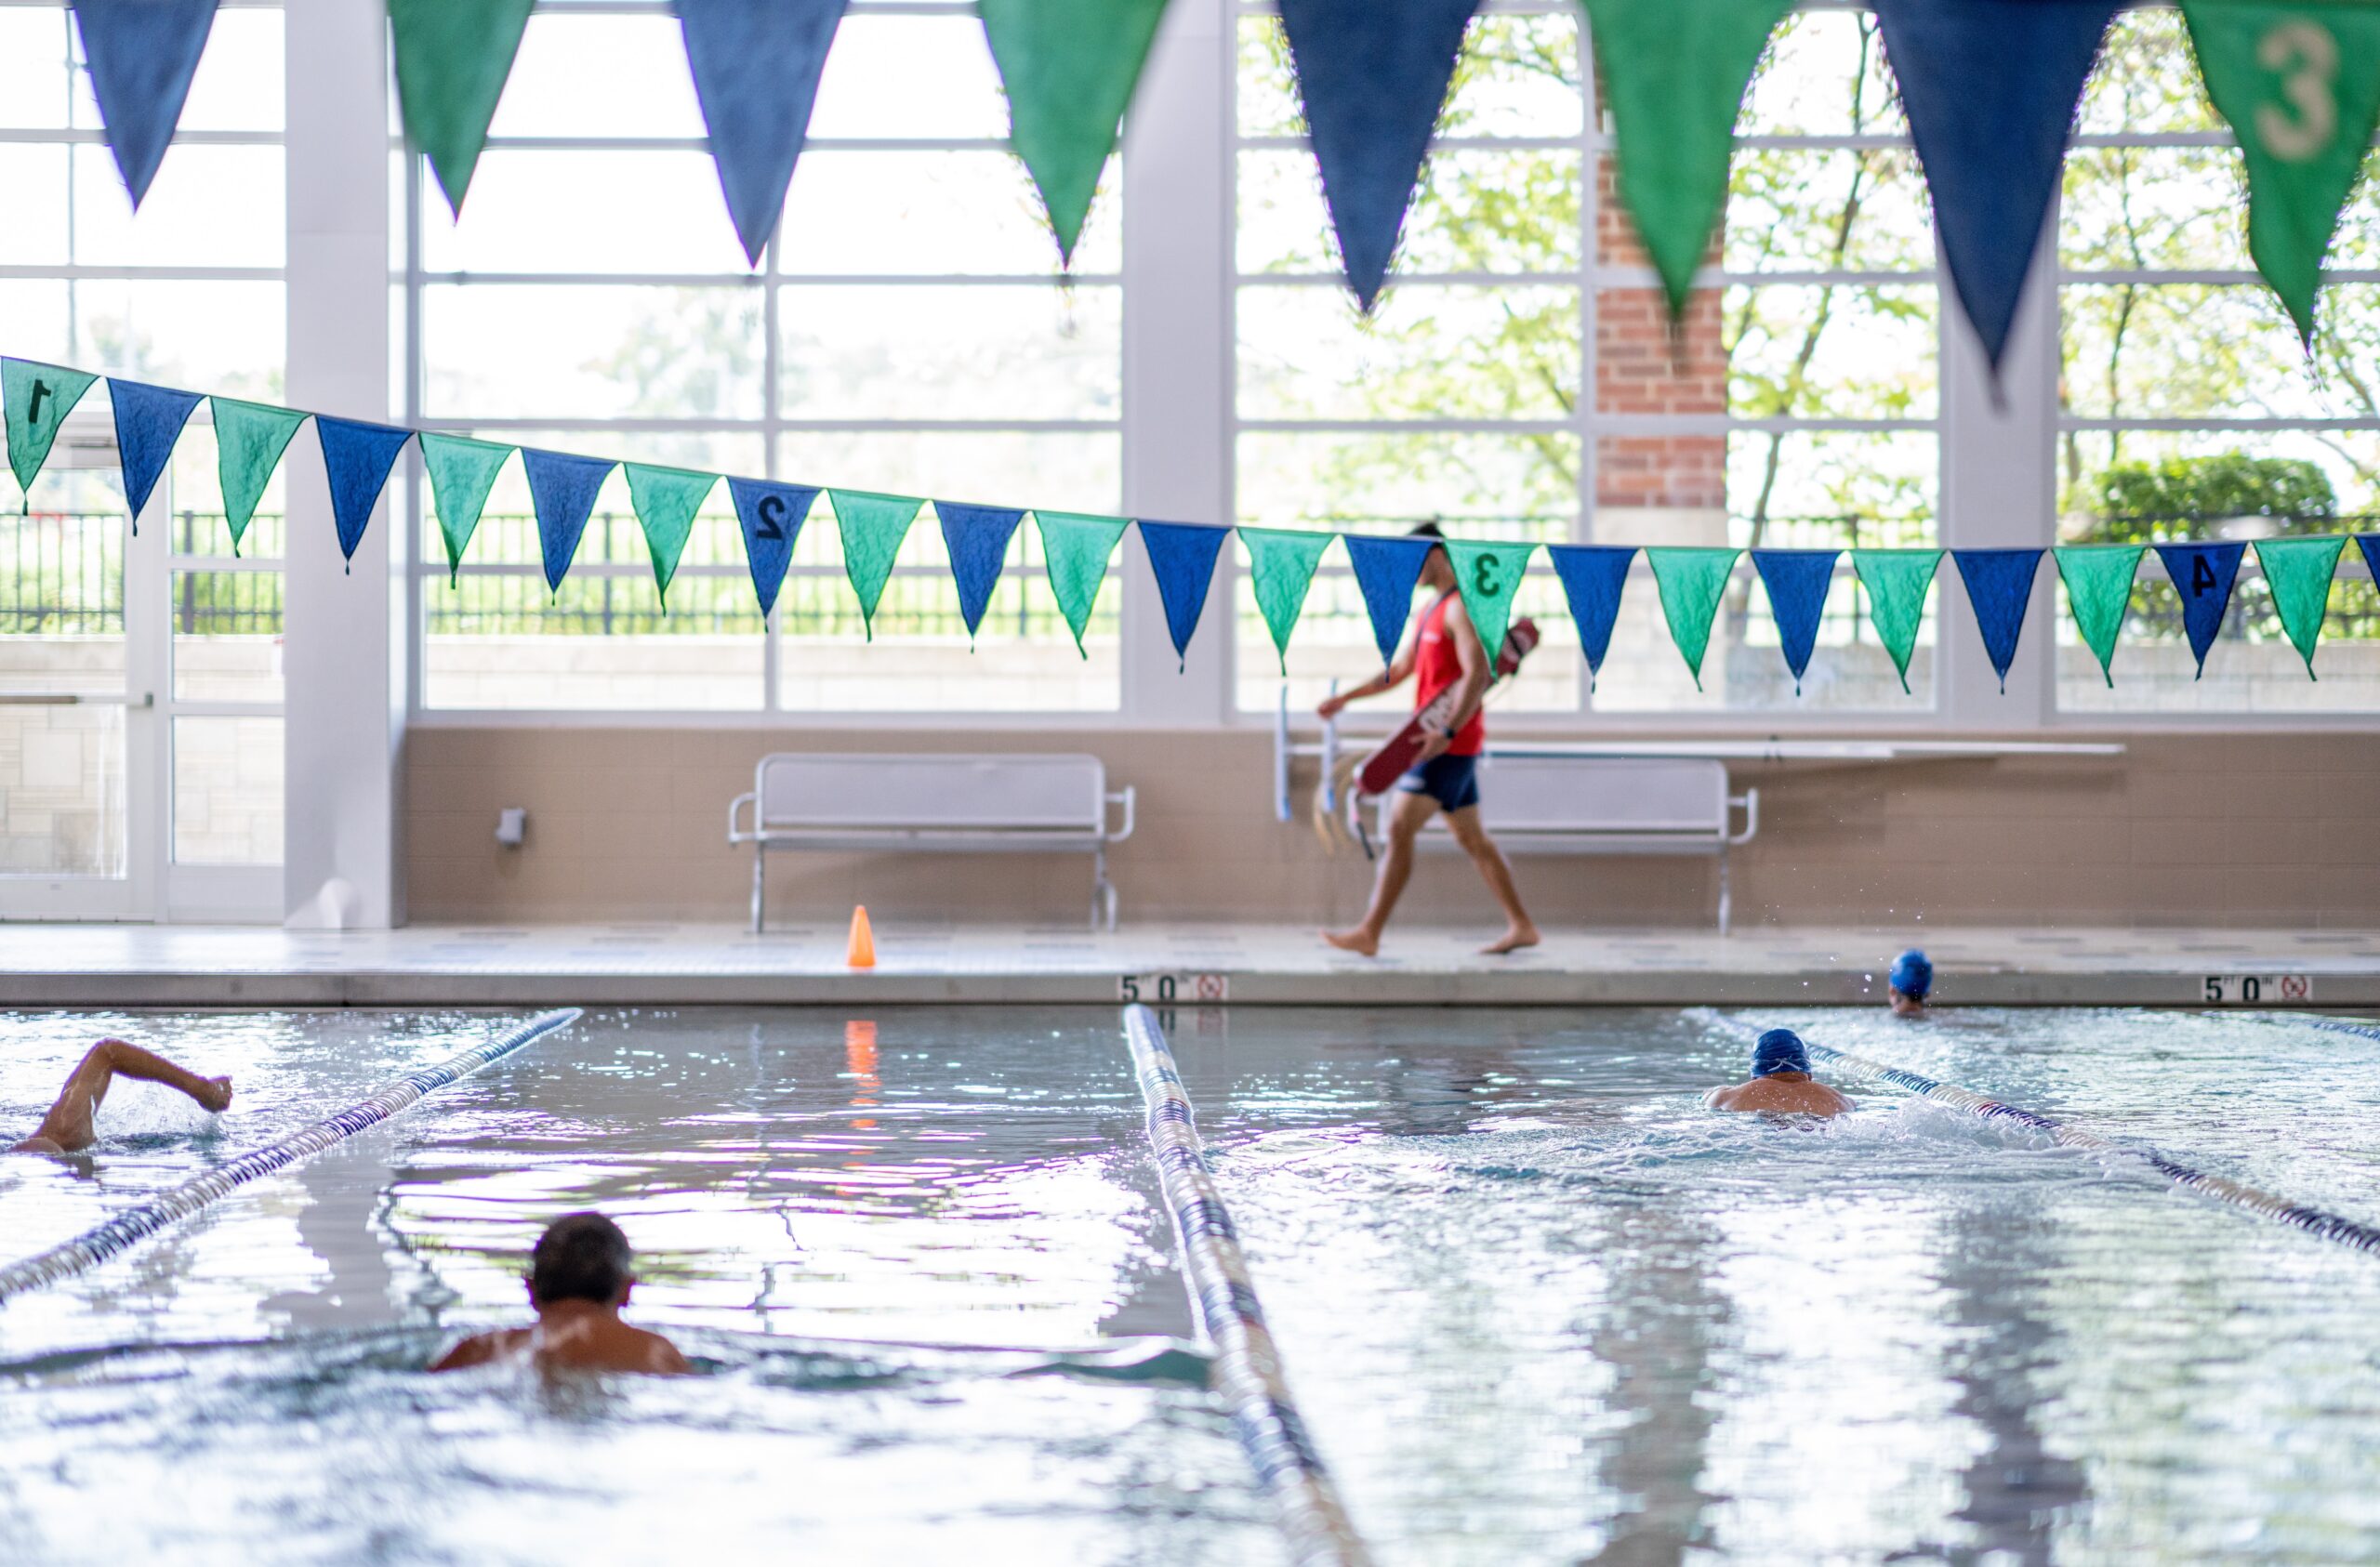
134 1225
2265 1205
1247 1370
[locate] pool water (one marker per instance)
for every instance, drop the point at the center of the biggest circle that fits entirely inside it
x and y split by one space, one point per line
1537 1304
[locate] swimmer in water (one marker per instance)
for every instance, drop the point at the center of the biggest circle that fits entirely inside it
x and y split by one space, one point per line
67 1129
579 1277
1913 979
1781 1082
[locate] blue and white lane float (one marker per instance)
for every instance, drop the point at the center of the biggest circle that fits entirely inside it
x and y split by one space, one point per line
131 1227
2264 1204
1248 1364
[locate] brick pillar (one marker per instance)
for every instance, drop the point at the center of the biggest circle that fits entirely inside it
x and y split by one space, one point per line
1656 488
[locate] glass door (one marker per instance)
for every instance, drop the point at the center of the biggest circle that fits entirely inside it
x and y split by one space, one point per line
81 639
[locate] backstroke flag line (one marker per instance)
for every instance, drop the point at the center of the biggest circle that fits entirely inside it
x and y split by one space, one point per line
1674 75
2202 574
359 457
1990 89
1372 75
1069 67
1897 582
142 54
1387 571
756 65
2000 586
2300 85
1593 576
977 539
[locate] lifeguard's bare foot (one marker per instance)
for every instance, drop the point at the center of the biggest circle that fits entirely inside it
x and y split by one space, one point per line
1359 941
1513 939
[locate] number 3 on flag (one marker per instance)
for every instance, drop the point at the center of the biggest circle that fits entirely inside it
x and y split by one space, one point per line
2307 56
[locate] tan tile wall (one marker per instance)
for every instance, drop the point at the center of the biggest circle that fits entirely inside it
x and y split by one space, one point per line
2238 829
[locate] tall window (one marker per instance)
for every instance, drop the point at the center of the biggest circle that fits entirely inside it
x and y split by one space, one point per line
1793 405
2188 408
189 291
909 332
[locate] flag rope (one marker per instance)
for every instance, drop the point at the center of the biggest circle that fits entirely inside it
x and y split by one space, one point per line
126 1230
1247 1370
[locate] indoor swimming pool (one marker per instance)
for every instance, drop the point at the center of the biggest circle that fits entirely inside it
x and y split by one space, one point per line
1535 1303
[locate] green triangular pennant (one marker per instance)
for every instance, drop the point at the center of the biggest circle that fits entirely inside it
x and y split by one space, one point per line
1691 580
38 397
2098 589
1075 549
2299 572
2300 85
452 58
461 473
1675 77
249 439
1069 67
666 500
1280 566
1489 575
1897 581
872 528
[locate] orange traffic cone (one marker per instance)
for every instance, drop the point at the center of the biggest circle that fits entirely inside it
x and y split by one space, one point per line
861 954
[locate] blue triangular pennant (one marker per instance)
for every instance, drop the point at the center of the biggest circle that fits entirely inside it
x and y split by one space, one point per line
2202 574
2000 586
357 457
1385 572
1797 581
977 538
1182 557
1593 578
142 55
2369 544
1990 87
756 65
563 491
149 423
771 516
1373 75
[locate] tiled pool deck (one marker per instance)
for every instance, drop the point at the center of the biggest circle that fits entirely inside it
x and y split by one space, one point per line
677 965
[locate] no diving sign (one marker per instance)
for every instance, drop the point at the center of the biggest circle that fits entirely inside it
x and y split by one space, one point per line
2256 990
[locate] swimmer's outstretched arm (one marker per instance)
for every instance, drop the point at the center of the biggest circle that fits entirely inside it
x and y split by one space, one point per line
68 1126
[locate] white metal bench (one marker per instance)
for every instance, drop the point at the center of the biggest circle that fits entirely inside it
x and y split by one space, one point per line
1566 804
1035 804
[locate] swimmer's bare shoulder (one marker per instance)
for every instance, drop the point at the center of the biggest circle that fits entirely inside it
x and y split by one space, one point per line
1804 1098
611 1346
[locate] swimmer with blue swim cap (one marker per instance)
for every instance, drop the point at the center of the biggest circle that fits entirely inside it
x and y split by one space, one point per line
1910 983
1781 1082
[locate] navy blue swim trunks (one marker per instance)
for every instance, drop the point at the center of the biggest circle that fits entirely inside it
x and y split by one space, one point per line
1453 782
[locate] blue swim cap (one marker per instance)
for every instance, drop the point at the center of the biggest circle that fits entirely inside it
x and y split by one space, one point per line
1779 1050
1913 974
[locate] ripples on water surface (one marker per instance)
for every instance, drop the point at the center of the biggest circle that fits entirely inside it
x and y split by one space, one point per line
1537 1305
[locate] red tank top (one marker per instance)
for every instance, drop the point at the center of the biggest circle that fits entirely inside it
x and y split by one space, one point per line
1435 668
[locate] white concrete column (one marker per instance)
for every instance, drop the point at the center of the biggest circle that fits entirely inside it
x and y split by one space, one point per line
343 639
1178 270
2000 490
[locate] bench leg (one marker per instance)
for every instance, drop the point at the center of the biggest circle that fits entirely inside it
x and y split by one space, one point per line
1725 900
759 885
1102 894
